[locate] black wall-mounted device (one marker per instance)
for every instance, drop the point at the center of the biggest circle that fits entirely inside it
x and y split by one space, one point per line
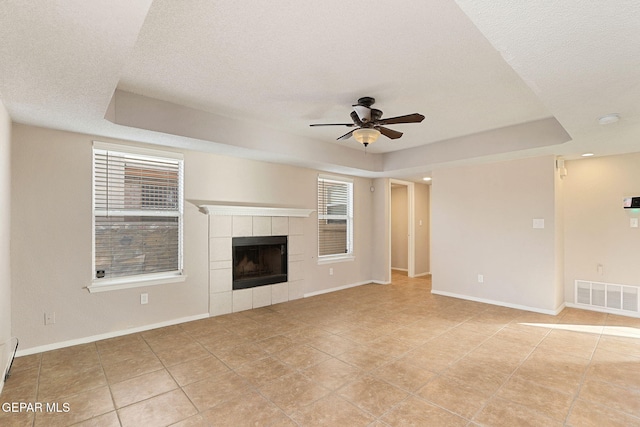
632 203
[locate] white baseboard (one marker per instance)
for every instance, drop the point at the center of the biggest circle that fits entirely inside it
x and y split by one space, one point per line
400 269
93 338
380 282
337 288
602 310
501 303
428 273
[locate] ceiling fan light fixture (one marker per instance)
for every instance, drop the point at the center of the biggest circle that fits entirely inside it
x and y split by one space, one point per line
366 136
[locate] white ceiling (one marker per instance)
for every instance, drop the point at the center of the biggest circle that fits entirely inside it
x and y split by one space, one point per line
251 76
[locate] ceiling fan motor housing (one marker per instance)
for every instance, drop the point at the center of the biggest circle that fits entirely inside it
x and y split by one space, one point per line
366 101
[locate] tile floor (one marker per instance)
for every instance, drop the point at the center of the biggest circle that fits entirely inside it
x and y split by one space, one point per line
368 356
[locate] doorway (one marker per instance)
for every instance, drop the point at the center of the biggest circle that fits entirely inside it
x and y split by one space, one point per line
401 227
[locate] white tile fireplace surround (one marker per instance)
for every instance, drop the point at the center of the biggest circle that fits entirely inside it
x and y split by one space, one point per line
226 222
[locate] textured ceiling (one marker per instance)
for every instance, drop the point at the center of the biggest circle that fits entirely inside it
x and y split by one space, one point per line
249 77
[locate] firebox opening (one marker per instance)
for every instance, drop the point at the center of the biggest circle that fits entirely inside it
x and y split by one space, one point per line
259 261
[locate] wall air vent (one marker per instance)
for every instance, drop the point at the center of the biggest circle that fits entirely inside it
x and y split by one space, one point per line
608 297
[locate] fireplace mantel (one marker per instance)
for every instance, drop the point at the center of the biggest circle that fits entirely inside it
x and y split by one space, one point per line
213 209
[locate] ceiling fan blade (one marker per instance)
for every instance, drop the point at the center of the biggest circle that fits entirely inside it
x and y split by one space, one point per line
409 118
363 112
346 136
333 124
389 133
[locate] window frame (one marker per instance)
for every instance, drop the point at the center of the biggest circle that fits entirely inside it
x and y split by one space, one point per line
349 255
148 279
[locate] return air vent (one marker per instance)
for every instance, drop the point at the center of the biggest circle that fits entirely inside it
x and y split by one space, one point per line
607 297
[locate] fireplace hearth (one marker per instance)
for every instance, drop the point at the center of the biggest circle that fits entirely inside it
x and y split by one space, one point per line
259 261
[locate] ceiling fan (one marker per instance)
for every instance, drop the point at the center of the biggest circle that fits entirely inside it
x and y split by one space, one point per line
369 123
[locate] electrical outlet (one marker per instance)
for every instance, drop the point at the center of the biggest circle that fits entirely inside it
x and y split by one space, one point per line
144 298
480 278
331 271
50 318
633 222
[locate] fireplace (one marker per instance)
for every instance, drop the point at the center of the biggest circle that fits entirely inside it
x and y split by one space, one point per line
259 261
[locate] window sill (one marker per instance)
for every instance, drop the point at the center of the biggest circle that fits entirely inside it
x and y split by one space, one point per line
133 282
335 258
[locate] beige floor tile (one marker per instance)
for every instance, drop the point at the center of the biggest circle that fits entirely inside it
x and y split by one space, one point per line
160 333
364 357
307 334
76 357
391 346
110 419
624 345
264 370
293 392
332 373
16 419
81 407
504 358
211 392
549 402
130 368
26 362
117 354
124 342
574 316
173 356
398 351
433 356
372 395
276 344
22 378
194 421
417 412
618 398
575 343
161 410
332 344
217 344
332 411
454 396
250 410
404 375
54 386
500 413
523 334
616 368
362 335
302 356
197 370
240 354
479 376
143 387
587 414
25 393
557 370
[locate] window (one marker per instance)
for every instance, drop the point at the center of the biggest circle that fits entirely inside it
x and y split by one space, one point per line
335 218
137 207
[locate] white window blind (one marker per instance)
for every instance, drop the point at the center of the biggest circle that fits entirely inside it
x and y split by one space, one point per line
137 213
335 217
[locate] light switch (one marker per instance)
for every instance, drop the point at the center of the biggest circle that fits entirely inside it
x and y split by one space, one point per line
634 222
538 223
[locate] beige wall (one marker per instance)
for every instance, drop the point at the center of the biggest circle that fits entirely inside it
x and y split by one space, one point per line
5 226
51 229
422 228
597 228
399 227
482 224
380 258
